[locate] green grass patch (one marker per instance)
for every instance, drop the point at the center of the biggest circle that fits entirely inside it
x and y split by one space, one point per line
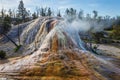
17 48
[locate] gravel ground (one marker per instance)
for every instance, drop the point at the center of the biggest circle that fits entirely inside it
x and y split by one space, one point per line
110 50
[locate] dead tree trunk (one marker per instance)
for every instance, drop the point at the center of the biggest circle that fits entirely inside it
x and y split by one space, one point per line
10 39
18 34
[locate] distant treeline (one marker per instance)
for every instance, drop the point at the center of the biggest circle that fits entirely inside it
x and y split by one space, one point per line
21 15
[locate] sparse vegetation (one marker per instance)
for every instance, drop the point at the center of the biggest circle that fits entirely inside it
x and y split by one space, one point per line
116 32
97 36
2 54
17 48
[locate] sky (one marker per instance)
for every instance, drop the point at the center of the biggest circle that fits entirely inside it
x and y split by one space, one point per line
104 7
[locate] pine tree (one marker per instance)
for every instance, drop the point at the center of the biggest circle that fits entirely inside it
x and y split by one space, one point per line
3 13
34 15
37 13
10 13
59 14
88 17
67 11
80 14
95 14
71 14
28 15
41 11
21 11
49 12
7 23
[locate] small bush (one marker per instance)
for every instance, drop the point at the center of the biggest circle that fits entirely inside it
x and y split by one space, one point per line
17 48
2 54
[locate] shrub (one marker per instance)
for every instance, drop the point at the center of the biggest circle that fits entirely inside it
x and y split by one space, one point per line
116 32
2 54
17 48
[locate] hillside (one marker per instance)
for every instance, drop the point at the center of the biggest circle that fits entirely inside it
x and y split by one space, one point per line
52 49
